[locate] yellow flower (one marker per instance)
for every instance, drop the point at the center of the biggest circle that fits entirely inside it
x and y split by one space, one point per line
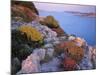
31 33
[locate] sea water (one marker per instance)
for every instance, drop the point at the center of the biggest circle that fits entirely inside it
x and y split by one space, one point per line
81 26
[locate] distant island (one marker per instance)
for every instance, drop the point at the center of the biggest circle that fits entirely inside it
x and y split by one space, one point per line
84 14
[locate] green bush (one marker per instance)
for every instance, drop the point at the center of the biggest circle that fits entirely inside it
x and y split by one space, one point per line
50 21
31 33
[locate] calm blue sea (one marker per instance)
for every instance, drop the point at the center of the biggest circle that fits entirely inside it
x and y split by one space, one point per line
84 27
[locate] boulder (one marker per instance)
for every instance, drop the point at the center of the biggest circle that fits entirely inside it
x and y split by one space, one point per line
71 50
59 31
30 65
51 66
69 64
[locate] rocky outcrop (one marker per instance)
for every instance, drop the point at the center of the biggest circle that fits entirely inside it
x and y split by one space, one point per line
52 23
41 45
25 10
28 4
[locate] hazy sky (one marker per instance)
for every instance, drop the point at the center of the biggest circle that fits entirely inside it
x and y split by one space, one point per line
64 7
